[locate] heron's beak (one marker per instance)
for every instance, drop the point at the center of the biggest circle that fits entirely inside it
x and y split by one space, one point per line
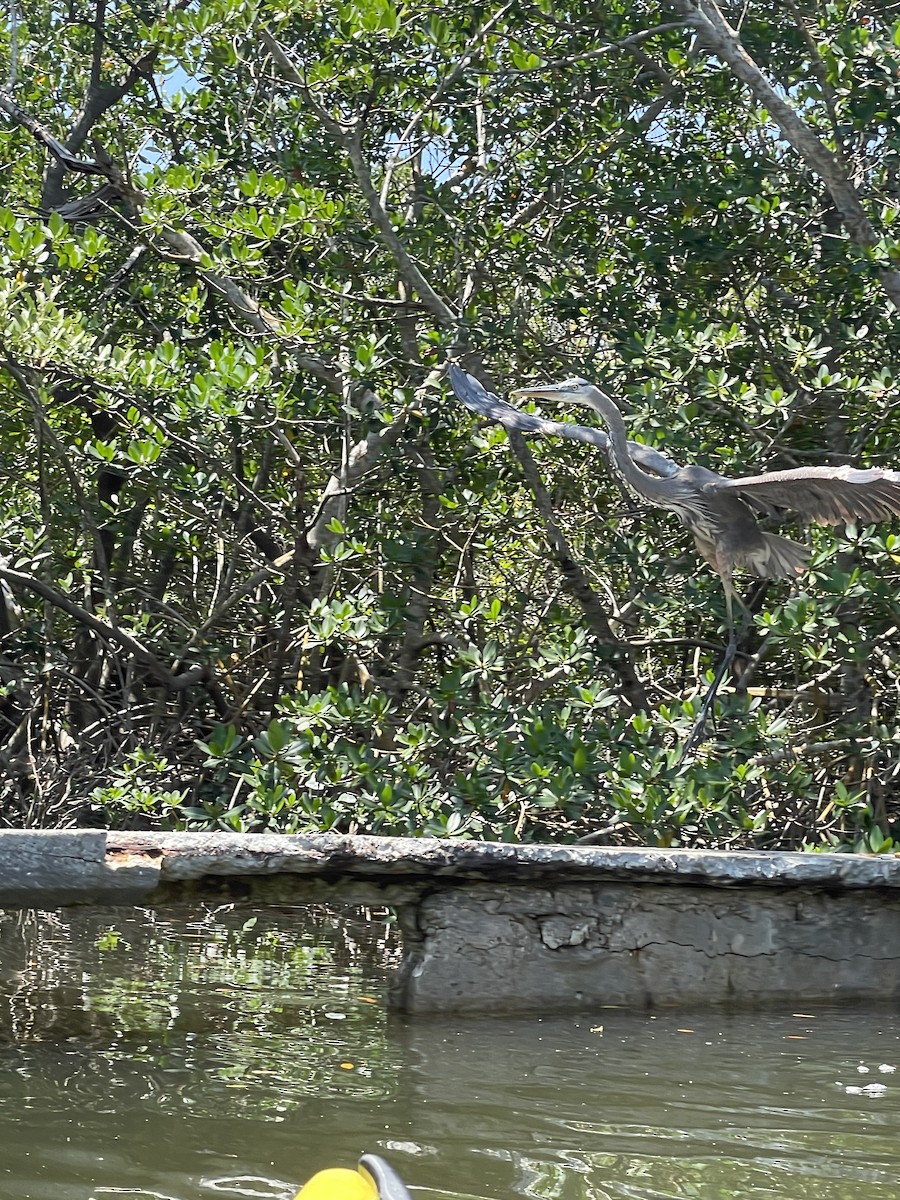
545 391
374 1180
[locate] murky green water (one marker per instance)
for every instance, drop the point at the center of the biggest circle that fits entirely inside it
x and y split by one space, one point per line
194 1055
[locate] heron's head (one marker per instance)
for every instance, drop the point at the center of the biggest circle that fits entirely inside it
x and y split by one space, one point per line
570 391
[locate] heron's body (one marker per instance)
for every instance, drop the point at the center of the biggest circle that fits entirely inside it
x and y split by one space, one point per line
721 513
725 529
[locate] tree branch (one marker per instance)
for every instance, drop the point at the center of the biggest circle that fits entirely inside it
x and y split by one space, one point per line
70 161
575 580
349 141
719 37
626 43
110 634
441 90
360 460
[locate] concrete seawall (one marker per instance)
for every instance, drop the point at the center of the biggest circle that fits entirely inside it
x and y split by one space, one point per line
491 927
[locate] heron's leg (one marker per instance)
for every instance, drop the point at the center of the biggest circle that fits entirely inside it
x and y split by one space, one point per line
729 612
727 658
703 716
746 614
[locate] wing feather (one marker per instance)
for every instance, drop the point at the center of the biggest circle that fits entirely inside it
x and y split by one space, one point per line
829 495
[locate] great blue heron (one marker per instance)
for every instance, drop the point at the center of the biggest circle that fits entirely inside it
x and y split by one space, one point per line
719 512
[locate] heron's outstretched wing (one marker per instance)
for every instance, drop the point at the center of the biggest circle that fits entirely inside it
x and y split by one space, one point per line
467 389
829 495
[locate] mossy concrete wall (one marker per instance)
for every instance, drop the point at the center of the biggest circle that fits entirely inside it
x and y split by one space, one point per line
492 927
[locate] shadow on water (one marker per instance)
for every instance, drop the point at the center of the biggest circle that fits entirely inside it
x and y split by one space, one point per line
231 1053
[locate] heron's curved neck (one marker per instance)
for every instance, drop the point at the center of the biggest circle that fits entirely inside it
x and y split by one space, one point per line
646 485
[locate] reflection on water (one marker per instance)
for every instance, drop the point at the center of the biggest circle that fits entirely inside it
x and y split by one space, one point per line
185 1055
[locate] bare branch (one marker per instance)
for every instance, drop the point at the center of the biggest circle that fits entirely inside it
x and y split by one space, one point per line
576 581
97 52
626 43
98 100
818 66
409 272
70 161
360 460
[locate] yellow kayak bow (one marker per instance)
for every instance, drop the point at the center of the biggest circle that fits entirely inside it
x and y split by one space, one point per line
373 1180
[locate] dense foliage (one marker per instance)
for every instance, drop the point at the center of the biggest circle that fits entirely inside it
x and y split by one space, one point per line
264 573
